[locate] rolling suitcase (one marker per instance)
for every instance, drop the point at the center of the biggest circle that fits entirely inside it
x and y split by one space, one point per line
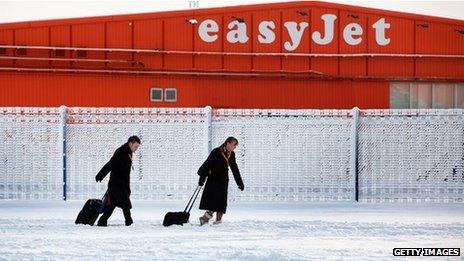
92 208
179 218
89 212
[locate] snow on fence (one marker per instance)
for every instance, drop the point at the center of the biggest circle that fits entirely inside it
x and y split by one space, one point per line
298 155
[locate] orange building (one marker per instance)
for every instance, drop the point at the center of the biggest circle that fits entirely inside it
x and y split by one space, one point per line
285 55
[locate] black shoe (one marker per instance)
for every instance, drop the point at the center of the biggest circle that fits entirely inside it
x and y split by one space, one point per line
102 223
129 222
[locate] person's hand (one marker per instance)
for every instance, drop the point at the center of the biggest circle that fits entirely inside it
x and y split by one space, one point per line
97 179
242 187
201 182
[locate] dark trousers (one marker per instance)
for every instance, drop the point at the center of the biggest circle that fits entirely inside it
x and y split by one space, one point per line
109 211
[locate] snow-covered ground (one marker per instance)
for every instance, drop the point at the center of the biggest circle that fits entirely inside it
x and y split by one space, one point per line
251 231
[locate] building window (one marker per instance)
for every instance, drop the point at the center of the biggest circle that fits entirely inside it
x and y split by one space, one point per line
170 94
2 51
426 95
156 94
459 97
399 95
421 95
443 96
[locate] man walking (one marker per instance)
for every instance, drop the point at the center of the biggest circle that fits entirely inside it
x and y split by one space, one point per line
118 192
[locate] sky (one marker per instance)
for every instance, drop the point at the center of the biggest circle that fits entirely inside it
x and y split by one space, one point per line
16 11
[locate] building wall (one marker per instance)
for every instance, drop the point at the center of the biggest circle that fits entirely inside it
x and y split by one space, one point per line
407 34
349 81
38 89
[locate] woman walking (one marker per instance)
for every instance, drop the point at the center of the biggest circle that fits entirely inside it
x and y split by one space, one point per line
216 169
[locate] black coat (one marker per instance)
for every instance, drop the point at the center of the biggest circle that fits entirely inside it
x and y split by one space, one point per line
119 185
214 197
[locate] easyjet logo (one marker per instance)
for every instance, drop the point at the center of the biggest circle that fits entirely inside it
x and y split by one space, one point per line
237 32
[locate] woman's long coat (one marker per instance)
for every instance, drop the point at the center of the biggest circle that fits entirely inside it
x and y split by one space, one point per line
215 168
119 185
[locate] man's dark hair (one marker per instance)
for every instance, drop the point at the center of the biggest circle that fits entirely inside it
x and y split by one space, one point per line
134 139
231 139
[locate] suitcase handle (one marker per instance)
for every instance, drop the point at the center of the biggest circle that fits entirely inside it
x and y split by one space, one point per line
194 197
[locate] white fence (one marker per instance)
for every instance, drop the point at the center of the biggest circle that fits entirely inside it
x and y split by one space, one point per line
310 155
411 155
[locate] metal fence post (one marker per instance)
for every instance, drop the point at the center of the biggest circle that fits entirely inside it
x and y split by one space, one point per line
354 153
63 119
208 130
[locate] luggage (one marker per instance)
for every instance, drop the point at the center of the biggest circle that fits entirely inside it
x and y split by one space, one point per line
179 218
176 218
89 213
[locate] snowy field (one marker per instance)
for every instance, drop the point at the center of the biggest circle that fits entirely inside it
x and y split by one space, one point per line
251 231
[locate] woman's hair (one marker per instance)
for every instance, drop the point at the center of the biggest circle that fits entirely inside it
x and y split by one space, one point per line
231 139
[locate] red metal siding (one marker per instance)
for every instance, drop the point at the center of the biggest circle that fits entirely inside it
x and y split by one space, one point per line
148 34
324 65
401 35
61 36
293 63
6 38
237 63
133 91
178 35
171 32
302 82
89 35
32 36
439 39
353 66
119 35
268 63
209 62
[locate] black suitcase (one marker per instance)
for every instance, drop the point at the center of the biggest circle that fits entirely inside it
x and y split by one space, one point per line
89 213
179 218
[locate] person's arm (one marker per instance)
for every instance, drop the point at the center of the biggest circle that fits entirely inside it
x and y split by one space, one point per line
109 166
236 172
103 172
205 168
